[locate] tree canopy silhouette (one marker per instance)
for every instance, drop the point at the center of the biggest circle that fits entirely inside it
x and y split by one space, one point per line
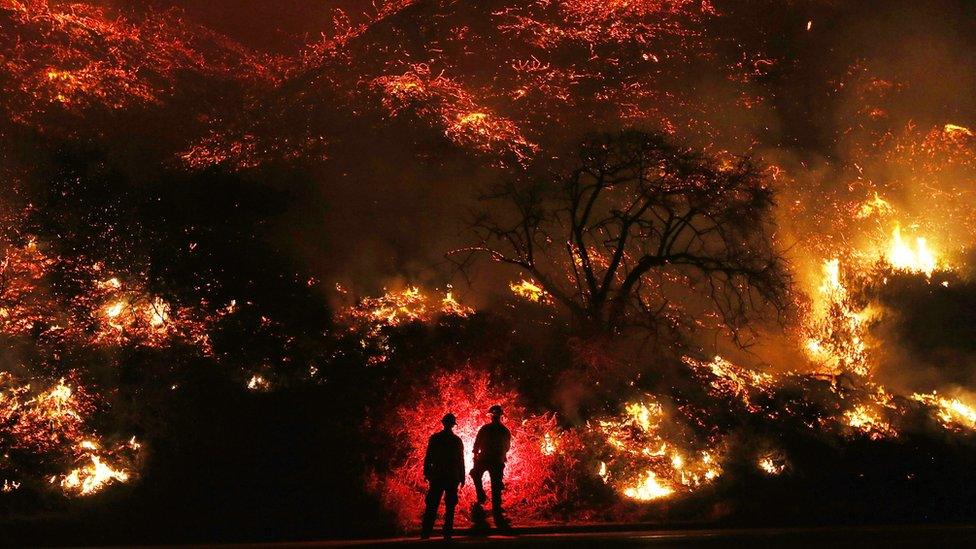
643 234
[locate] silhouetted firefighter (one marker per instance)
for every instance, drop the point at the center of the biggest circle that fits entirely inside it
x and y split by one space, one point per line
444 471
490 448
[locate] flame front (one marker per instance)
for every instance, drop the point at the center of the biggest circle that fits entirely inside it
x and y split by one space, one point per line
952 412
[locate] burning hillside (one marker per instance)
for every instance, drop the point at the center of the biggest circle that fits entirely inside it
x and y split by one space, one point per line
80 57
703 253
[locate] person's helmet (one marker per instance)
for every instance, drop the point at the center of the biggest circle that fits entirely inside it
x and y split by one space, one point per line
449 420
495 410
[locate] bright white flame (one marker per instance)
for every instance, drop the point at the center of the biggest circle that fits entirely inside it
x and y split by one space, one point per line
769 466
258 383
114 309
952 412
647 488
902 256
548 445
92 478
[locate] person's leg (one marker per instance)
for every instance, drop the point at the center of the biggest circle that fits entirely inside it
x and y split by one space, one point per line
477 475
450 502
479 518
432 501
496 474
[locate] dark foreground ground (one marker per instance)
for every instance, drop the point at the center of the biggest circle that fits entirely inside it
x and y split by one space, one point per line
833 537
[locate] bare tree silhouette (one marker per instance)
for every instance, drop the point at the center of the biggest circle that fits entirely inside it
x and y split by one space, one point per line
636 231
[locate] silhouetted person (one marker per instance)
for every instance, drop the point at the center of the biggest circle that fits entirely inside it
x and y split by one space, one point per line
490 449
444 471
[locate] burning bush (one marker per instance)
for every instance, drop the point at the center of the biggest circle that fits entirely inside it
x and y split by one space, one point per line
652 456
443 102
529 494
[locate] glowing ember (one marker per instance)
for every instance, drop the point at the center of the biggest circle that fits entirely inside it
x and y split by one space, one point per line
451 306
955 129
51 419
114 309
876 206
397 307
158 313
733 381
130 316
46 424
446 103
80 56
53 423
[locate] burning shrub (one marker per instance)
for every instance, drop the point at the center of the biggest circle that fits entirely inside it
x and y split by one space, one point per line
79 56
529 494
370 317
64 319
652 456
43 431
445 103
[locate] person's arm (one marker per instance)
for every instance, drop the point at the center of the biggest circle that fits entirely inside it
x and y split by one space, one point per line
479 443
460 461
427 459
